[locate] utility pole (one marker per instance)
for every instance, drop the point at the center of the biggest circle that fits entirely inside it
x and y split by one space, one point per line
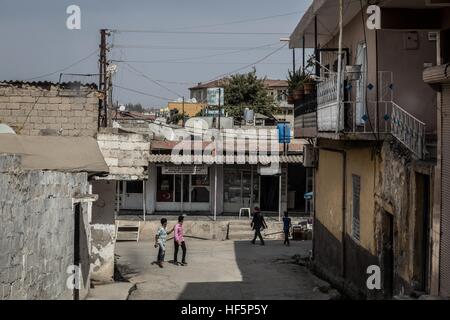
339 75
103 81
183 111
220 91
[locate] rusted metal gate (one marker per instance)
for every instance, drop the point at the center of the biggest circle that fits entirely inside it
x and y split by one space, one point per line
445 193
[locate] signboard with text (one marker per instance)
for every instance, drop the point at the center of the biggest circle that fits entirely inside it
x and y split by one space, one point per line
212 96
185 169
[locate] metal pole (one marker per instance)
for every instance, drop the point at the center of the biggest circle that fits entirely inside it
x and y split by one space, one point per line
279 196
183 111
117 198
220 91
215 192
143 199
303 55
293 59
339 75
316 47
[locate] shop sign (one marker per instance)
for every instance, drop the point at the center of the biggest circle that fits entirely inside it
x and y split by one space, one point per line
185 169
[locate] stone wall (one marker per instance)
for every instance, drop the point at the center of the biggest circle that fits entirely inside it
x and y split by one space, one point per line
37 231
43 108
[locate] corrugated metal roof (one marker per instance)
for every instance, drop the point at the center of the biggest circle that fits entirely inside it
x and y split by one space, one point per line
250 159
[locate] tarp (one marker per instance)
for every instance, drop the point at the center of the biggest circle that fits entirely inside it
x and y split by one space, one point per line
69 154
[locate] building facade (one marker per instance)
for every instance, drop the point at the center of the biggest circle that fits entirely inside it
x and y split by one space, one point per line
375 136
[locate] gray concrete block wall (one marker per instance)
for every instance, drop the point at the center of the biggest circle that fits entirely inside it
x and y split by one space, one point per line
31 109
37 230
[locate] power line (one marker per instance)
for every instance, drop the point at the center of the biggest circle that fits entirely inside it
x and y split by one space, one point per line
152 80
249 65
199 62
166 47
238 21
143 93
199 32
64 69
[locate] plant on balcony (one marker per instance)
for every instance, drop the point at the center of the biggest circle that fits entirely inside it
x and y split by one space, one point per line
295 86
308 85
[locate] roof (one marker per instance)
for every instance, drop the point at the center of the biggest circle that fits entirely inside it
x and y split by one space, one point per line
269 83
253 159
48 84
131 115
68 154
327 13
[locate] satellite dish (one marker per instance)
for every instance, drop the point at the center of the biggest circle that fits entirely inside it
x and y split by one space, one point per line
6 129
180 100
122 108
193 100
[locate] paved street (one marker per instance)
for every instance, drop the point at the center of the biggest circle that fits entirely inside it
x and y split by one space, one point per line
220 270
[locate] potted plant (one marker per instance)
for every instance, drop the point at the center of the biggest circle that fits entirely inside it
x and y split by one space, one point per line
308 85
295 86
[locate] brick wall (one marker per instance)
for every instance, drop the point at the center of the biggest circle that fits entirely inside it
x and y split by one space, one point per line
68 109
37 231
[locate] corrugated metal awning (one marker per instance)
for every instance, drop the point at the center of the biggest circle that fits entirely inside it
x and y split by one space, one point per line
247 159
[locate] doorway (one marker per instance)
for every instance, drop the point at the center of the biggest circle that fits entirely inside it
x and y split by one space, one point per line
388 254
422 232
269 193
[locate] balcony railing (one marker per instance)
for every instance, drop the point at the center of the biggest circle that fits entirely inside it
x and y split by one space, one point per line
409 130
367 106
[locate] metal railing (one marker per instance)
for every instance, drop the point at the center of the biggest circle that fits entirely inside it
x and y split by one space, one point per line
409 130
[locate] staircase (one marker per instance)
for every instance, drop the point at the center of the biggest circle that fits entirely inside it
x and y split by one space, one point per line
240 230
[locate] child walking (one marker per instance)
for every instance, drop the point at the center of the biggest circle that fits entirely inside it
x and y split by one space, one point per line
286 227
160 241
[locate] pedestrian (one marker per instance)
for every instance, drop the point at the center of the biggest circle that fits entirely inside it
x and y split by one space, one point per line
286 227
160 241
179 241
257 224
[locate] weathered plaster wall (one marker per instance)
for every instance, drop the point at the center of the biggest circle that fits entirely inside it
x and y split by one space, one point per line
35 109
397 194
103 231
37 231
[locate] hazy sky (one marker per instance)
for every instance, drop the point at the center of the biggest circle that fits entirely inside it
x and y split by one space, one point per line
36 42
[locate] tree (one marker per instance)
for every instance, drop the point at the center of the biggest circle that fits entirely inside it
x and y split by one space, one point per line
247 91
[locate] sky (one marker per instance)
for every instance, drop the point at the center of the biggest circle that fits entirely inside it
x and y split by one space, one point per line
196 41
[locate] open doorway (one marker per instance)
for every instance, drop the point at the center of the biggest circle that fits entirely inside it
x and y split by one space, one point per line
269 193
422 233
388 254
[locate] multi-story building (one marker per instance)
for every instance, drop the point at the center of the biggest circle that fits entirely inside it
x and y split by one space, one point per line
376 143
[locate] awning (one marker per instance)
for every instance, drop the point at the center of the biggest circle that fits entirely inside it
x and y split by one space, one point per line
68 154
327 13
252 159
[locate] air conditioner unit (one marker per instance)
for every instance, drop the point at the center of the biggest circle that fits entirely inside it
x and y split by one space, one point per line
438 3
309 156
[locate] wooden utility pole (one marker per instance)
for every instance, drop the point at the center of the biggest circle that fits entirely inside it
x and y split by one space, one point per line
103 82
183 111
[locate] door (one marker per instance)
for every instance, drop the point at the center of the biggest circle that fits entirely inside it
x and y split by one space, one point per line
269 193
388 254
361 59
132 196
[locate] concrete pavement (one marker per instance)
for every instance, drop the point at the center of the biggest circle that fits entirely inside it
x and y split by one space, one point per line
220 270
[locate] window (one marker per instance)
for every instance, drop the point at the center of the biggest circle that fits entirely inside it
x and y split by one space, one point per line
134 187
165 187
356 182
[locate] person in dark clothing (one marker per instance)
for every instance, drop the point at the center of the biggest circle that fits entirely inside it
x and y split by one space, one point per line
286 227
257 224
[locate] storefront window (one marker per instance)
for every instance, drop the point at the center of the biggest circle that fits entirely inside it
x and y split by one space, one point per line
134 187
165 187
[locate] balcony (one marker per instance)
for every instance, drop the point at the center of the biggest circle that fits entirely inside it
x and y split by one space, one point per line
365 111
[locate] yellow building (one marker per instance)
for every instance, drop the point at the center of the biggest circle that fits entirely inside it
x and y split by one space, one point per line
190 109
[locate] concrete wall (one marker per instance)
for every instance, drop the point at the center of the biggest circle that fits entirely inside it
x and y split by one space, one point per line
36 108
126 154
37 232
410 91
103 231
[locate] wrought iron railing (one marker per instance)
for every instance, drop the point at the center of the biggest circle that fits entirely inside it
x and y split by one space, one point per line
409 130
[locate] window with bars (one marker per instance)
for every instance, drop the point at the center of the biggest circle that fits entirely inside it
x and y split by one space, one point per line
356 183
